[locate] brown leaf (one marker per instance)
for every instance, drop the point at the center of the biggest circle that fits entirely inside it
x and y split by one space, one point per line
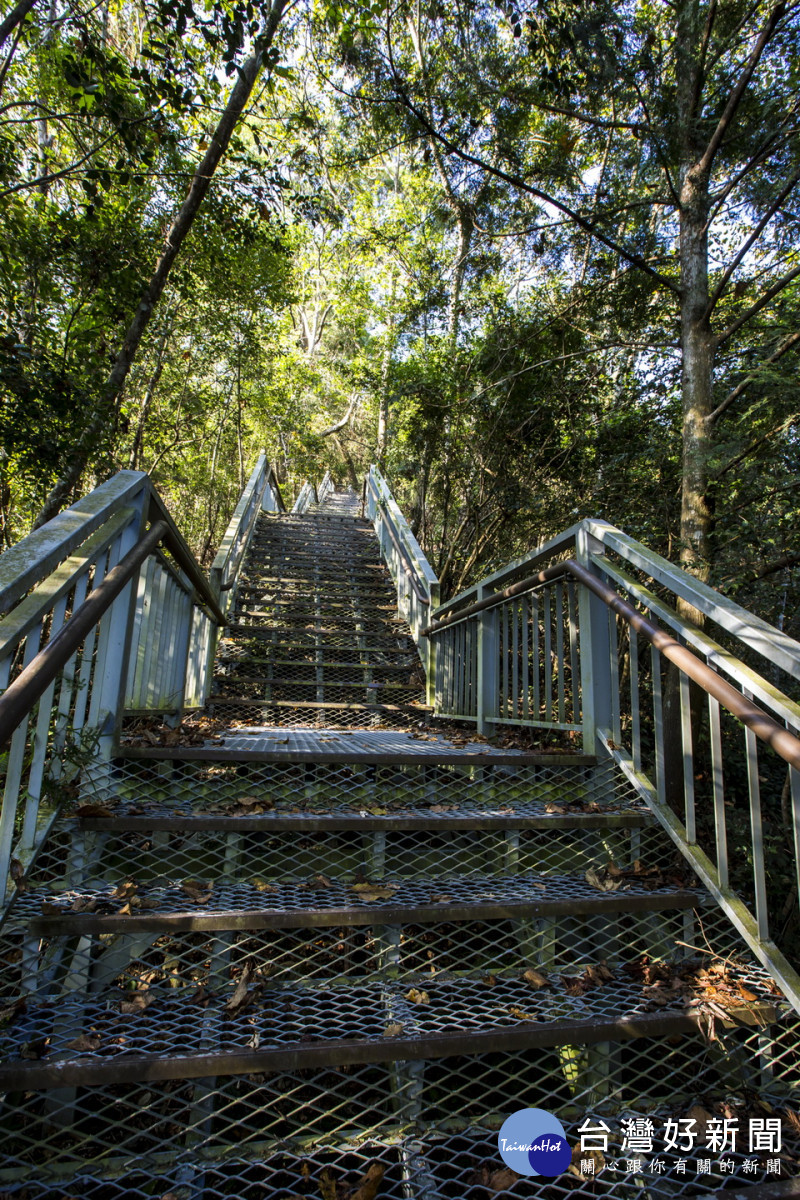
51 910
489 981
150 902
415 996
519 1015
138 1002
502 1180
601 881
327 1184
393 1030
793 1121
8 1014
93 810
85 1041
438 899
84 904
318 883
124 891
371 892
535 978
599 974
197 891
200 996
241 997
370 1183
745 993
248 801
262 884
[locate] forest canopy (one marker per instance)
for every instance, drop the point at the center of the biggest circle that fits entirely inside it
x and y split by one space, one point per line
538 260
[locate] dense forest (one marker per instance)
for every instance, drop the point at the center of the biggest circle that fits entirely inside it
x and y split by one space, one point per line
538 260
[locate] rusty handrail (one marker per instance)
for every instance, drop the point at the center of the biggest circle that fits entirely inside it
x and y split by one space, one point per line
20 695
407 565
763 726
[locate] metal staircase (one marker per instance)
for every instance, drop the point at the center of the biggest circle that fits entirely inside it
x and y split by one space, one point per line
305 944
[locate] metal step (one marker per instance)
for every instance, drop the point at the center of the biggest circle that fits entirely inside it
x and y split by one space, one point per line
318 905
293 1028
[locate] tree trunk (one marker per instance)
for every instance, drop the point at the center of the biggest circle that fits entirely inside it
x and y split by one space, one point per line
176 235
386 368
17 14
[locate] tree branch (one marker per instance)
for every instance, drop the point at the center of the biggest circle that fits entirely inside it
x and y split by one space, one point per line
729 112
14 18
341 424
754 236
635 259
764 299
785 345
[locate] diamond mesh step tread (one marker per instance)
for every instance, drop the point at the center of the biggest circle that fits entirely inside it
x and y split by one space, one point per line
412 710
321 902
435 1165
287 818
285 636
279 742
180 1035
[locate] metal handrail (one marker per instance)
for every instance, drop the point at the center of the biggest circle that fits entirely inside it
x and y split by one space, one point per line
763 726
407 564
20 696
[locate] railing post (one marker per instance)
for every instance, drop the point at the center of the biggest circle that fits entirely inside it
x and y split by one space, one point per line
430 651
595 649
488 665
114 643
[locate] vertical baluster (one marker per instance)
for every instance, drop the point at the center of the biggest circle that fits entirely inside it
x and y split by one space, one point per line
15 766
515 663
688 759
572 606
794 783
525 666
756 831
718 784
562 711
462 628
40 740
548 657
537 694
504 659
658 723
156 624
636 722
613 674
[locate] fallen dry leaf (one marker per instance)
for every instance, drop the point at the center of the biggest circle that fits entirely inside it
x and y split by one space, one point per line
137 1004
601 880
262 884
415 996
489 981
84 904
51 910
393 1030
370 1183
370 892
519 1015
197 891
85 1041
535 978
124 891
241 997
